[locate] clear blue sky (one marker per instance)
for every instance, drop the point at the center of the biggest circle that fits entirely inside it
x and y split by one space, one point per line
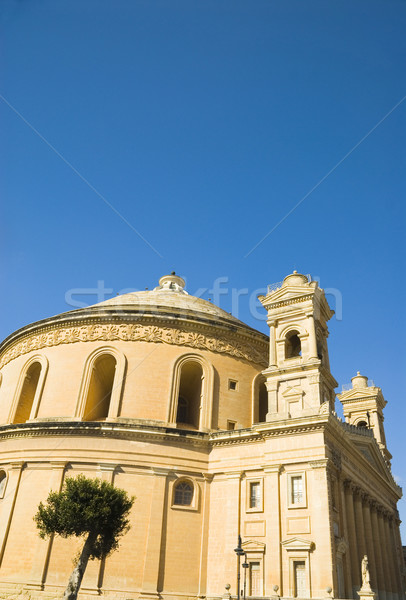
204 123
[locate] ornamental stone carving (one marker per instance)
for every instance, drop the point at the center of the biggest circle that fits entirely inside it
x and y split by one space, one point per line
132 333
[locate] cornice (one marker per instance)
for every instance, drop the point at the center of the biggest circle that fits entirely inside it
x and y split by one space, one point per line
104 430
213 337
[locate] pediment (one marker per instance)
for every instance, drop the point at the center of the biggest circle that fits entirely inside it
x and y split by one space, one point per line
288 292
357 393
298 544
253 546
372 454
370 451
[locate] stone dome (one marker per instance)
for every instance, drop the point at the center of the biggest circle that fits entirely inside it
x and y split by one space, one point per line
169 298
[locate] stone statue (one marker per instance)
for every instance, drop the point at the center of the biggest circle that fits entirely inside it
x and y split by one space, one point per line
366 580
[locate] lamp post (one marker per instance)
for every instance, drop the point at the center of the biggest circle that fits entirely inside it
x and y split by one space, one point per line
239 552
245 566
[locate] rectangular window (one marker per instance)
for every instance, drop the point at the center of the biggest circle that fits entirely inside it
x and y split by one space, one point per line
297 489
232 384
255 494
231 425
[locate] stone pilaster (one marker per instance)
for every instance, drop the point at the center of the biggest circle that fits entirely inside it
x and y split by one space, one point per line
204 535
9 500
44 547
273 564
151 574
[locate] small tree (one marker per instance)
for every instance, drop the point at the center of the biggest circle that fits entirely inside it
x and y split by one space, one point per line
89 508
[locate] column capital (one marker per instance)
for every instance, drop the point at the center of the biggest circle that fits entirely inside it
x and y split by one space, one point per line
272 468
15 465
58 464
319 464
234 475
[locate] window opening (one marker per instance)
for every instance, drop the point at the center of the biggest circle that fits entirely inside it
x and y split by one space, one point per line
27 395
232 384
190 395
183 494
255 494
296 483
293 345
100 388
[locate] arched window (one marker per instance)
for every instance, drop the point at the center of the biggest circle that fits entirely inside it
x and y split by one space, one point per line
293 345
3 481
362 424
183 493
100 388
260 400
28 393
190 395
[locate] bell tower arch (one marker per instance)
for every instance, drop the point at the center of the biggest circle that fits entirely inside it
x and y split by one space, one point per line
298 377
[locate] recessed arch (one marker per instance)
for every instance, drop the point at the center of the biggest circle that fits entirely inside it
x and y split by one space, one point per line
192 392
29 390
293 344
102 385
259 399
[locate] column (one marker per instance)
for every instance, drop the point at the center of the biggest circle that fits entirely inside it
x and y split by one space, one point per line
151 573
273 564
398 543
379 548
312 337
391 556
369 541
9 500
385 558
396 554
351 556
359 525
272 349
272 387
44 547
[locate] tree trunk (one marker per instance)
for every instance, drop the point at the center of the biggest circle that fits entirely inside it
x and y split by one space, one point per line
75 579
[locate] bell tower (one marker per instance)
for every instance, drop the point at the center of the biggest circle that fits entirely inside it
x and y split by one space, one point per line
298 377
363 406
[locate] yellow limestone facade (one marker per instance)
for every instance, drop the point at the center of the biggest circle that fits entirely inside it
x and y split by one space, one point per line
218 430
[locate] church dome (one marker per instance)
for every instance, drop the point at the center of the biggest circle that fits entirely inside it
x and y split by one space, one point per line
170 299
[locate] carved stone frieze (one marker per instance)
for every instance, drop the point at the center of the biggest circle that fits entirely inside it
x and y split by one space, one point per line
132 333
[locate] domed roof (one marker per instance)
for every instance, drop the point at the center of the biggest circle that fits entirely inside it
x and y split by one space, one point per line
170 298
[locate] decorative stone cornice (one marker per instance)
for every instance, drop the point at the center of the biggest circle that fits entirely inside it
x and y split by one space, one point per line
289 301
236 345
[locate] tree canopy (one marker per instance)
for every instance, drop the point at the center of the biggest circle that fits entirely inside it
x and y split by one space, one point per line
91 508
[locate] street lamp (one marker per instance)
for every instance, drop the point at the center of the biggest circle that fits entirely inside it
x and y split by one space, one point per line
245 566
239 552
